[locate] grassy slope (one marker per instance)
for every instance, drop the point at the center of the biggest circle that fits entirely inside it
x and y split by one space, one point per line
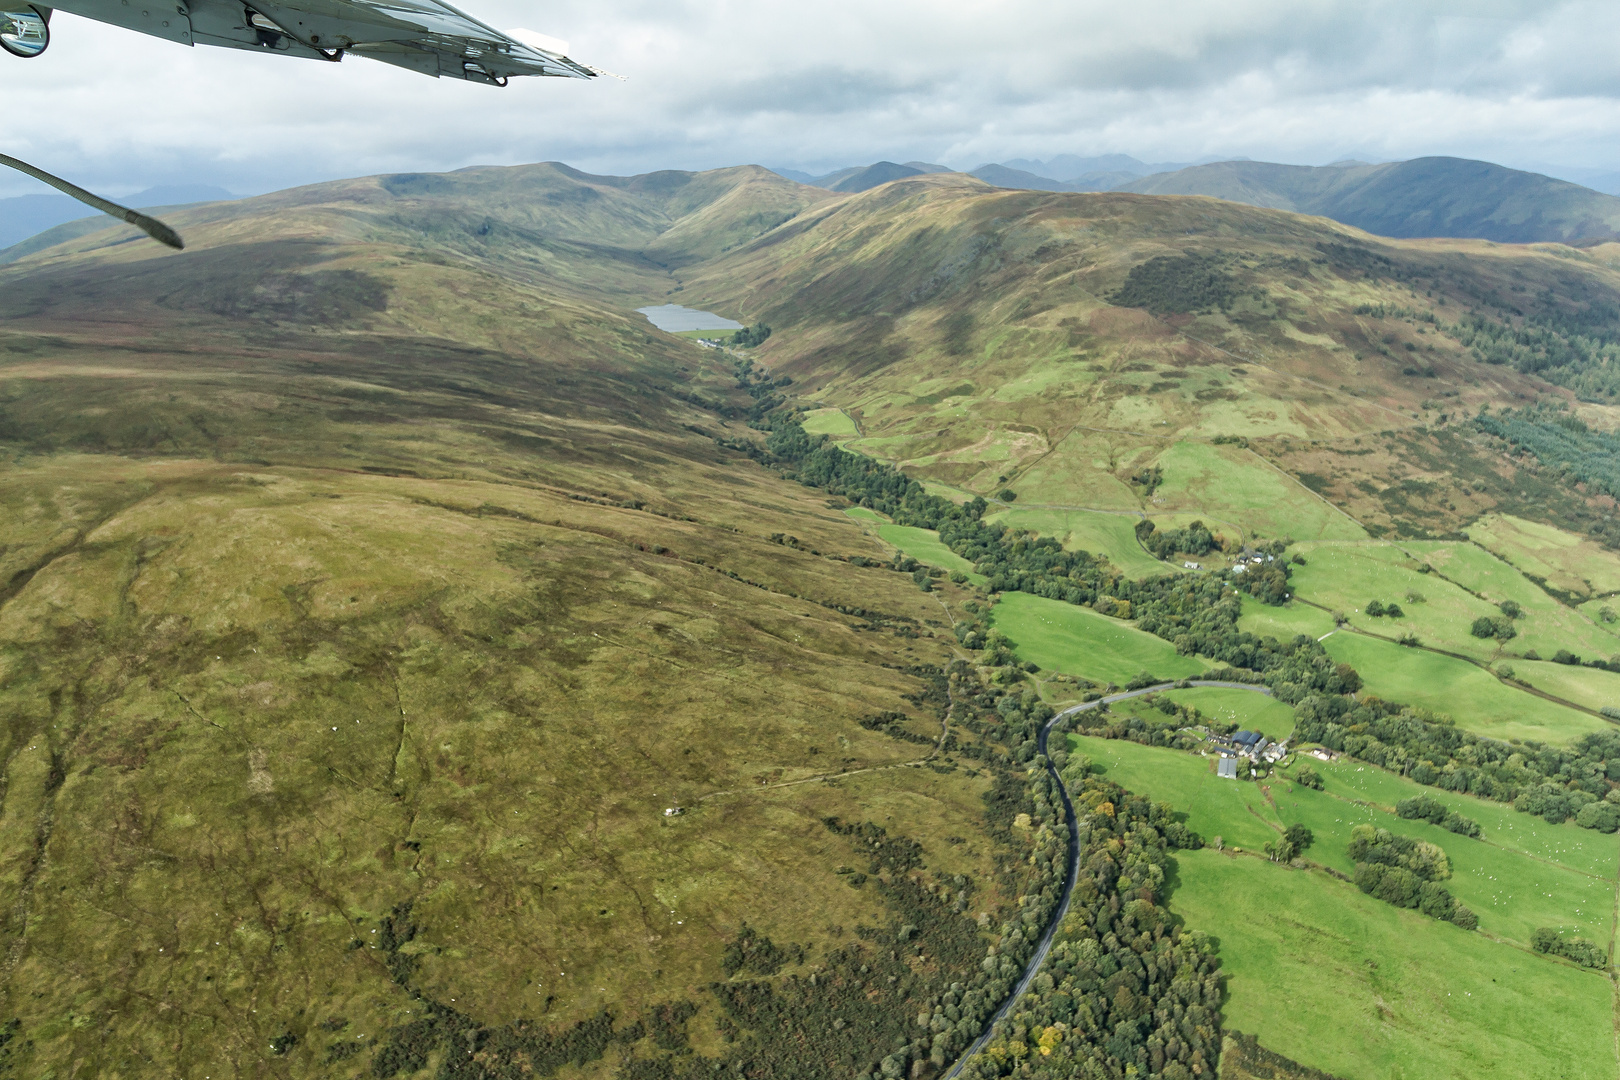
1566 560
1300 942
1346 983
1240 487
968 331
1591 687
924 545
1466 583
1078 641
1474 698
1547 625
1285 621
830 422
351 607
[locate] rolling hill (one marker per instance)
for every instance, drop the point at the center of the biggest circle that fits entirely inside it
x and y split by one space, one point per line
375 580
980 338
367 601
28 215
1435 196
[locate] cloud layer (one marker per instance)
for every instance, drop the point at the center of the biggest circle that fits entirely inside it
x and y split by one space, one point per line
837 82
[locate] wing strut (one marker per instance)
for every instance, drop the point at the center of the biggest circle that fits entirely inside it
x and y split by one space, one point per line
149 225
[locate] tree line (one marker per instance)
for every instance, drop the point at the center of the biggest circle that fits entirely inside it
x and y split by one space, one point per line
1427 808
1549 940
1126 990
1407 873
1554 783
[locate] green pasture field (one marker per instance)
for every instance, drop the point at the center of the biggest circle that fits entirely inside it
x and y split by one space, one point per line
1566 560
1343 982
1593 610
924 545
1239 487
1592 687
1546 626
1245 708
1584 850
1512 890
1236 812
1078 641
1471 696
1345 577
1512 893
1110 535
1283 622
834 422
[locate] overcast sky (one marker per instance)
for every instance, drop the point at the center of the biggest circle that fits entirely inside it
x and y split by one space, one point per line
834 82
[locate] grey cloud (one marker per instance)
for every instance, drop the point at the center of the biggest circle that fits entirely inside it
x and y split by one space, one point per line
843 81
827 89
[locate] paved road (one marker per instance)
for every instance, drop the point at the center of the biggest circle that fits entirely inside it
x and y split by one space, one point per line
1044 946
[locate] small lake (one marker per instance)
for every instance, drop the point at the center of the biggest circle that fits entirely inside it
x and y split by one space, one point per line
674 319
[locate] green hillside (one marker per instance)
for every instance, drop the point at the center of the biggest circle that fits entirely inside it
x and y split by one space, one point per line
364 603
374 579
1057 344
1436 196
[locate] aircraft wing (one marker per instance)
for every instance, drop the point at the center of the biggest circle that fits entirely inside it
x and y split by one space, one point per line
428 36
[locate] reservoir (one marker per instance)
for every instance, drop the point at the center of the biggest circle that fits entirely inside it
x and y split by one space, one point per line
674 319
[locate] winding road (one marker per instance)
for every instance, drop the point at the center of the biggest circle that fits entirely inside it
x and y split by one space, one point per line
1072 871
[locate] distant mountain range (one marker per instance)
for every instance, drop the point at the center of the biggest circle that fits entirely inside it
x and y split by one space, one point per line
1435 196
29 215
1431 196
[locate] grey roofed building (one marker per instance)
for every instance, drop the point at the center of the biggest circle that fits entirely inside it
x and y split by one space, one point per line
1226 768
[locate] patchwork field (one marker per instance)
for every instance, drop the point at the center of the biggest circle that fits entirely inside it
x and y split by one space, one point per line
1080 471
1546 625
1585 851
1301 940
1471 696
1078 641
1520 874
1440 605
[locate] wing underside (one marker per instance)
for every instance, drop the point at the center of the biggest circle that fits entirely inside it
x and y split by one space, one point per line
427 36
